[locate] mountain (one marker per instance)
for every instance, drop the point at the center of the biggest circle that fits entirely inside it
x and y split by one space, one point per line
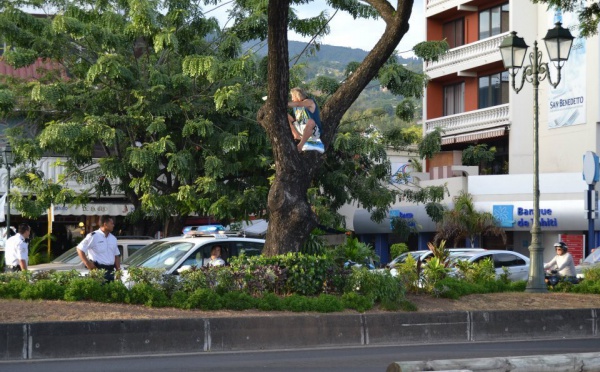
329 53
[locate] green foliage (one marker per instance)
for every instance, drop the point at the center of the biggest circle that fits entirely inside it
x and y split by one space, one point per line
315 244
431 143
149 295
403 227
397 249
81 289
407 274
325 303
296 303
589 13
43 290
38 249
204 299
382 286
592 274
433 272
476 272
464 221
238 301
478 154
270 302
431 50
353 250
360 303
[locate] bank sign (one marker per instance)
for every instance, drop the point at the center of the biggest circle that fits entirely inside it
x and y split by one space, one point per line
515 216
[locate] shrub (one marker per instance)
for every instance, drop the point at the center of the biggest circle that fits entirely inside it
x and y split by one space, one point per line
397 249
381 286
193 279
149 295
238 301
296 303
84 289
204 299
269 302
408 275
353 300
475 272
63 277
116 292
327 304
43 290
592 274
143 275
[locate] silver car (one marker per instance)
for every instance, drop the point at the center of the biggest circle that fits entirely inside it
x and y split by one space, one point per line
591 261
516 263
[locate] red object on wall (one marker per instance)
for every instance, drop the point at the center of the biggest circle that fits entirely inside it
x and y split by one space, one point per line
576 244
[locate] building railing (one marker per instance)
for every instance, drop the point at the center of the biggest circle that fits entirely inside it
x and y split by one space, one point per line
471 121
458 58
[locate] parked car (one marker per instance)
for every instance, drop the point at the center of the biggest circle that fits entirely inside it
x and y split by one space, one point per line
175 255
516 263
424 254
591 261
71 261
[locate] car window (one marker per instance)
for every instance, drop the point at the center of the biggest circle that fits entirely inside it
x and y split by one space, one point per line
132 248
161 256
247 248
484 257
69 257
507 260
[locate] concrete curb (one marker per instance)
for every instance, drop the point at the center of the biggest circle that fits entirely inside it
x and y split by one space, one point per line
551 363
140 337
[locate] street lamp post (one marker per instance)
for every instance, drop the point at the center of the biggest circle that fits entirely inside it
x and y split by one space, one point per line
8 158
558 42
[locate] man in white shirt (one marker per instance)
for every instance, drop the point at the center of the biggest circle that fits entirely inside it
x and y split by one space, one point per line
17 250
562 262
99 249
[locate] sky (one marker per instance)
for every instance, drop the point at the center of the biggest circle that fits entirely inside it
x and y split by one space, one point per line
361 34
347 32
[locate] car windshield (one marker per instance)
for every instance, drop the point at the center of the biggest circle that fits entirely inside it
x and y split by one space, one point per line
403 256
593 258
69 257
160 256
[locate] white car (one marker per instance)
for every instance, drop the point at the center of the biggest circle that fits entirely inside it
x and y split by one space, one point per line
71 261
174 255
423 254
591 261
516 263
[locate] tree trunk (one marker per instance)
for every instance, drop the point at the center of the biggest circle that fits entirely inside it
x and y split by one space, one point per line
291 218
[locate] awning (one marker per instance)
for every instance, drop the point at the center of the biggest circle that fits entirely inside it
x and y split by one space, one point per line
474 136
94 209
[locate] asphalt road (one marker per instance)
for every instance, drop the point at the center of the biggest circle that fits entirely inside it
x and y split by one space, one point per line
345 359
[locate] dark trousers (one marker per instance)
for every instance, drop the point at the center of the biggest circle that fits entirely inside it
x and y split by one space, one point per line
12 269
109 275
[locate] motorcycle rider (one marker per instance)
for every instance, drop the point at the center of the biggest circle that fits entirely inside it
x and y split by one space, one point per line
563 263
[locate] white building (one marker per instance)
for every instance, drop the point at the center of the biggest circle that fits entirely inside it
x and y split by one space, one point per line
470 96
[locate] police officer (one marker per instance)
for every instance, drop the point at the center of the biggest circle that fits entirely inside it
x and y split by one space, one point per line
17 250
99 249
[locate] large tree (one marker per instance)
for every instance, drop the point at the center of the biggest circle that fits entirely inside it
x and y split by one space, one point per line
168 102
291 215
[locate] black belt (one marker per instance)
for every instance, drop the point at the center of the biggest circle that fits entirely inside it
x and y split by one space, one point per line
105 267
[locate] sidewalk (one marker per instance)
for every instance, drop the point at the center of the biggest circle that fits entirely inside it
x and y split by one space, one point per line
140 337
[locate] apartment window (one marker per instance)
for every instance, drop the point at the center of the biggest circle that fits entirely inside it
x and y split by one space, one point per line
454 32
493 90
454 99
493 21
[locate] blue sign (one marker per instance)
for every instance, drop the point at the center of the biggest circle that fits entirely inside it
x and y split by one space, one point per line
504 214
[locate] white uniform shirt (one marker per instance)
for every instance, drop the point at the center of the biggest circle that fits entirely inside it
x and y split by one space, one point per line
100 248
16 249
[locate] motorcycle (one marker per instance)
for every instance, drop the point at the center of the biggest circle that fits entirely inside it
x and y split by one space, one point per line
552 278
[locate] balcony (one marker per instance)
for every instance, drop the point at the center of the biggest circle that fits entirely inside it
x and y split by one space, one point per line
438 6
466 57
470 122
